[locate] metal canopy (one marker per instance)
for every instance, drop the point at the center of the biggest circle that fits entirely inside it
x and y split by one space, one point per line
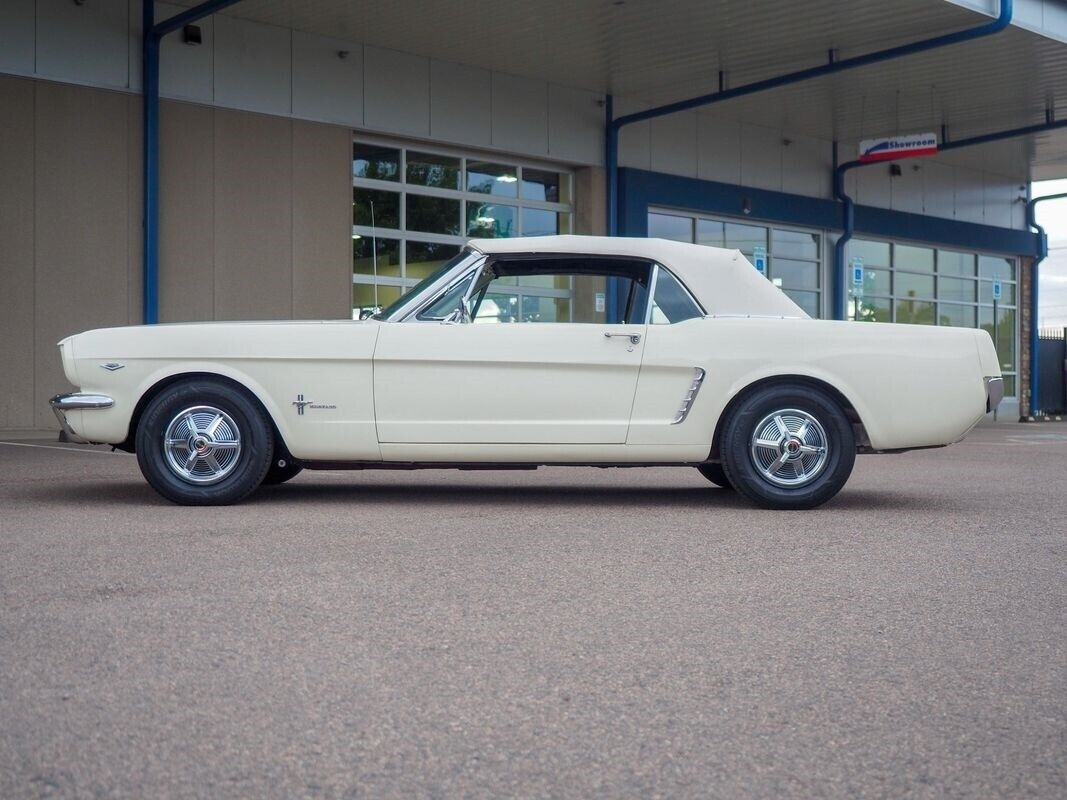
652 53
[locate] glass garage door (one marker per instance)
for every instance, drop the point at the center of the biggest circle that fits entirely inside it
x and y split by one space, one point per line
414 207
930 286
794 255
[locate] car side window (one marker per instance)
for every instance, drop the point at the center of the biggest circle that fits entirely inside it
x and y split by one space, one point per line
448 302
671 302
562 289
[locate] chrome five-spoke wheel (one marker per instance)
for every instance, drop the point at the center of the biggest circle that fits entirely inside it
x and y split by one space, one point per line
789 447
202 444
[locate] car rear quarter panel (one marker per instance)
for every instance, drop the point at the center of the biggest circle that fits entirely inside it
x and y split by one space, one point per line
912 386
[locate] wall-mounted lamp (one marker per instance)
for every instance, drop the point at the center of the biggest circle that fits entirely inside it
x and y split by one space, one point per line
746 205
191 34
895 171
342 54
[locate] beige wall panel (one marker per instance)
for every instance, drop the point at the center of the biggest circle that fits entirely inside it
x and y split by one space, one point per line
590 201
322 221
134 226
81 233
253 216
16 253
187 213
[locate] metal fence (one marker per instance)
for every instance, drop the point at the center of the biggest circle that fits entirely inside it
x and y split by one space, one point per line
1052 371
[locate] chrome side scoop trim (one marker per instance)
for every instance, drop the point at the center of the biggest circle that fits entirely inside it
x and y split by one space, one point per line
690 396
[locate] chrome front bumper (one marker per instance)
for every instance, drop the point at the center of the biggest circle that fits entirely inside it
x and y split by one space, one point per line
994 392
62 403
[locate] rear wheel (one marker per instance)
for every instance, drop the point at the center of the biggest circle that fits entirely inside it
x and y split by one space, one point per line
715 474
788 446
203 441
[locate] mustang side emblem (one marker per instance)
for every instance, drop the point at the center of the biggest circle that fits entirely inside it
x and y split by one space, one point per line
301 404
112 366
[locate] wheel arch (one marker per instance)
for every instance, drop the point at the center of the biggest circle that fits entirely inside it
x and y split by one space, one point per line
858 427
129 444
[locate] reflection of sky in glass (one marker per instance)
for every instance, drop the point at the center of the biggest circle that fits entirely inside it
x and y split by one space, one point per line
490 221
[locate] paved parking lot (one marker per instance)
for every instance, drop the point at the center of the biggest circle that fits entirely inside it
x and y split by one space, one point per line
570 633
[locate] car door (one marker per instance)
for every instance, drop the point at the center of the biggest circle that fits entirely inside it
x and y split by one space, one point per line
538 362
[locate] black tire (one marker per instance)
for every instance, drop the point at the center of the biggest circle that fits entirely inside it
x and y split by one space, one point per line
216 418
715 474
281 470
804 477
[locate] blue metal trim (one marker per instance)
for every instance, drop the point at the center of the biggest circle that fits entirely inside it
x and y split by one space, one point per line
837 276
832 66
151 36
1035 307
639 189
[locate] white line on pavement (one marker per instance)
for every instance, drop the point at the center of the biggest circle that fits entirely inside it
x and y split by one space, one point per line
67 449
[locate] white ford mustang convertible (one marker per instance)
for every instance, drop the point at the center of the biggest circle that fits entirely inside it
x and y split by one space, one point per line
561 350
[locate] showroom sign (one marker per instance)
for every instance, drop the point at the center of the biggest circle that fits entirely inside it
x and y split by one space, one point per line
914 144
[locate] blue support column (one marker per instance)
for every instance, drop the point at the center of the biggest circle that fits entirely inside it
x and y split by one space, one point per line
151 36
1035 306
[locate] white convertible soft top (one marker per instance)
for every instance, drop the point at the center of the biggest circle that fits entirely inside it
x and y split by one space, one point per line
722 280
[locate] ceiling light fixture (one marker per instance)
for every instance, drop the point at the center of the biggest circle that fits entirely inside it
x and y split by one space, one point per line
506 178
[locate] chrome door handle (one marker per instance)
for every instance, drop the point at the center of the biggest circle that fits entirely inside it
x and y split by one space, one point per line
635 338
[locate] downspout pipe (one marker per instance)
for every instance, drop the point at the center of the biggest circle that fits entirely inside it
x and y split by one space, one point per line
848 213
832 67
152 34
1035 273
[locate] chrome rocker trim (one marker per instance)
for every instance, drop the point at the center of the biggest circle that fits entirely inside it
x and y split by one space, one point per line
62 403
994 392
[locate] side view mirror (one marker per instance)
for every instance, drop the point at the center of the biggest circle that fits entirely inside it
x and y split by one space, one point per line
460 315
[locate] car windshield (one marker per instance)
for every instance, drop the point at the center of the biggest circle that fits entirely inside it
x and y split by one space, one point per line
429 280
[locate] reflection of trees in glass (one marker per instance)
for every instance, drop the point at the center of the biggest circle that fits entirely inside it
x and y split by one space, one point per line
377 163
873 310
489 221
426 174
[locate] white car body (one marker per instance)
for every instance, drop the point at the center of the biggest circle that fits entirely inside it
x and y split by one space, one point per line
414 392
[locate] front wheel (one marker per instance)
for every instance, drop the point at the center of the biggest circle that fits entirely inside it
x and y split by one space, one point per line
203 441
788 446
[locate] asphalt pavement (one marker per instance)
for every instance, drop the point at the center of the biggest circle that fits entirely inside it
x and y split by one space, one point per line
559 633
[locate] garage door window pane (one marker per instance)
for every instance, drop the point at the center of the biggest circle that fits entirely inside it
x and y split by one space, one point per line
962 289
950 262
711 233
539 222
432 214
375 162
957 316
425 257
1003 335
915 258
539 184
874 254
372 208
908 285
872 309
914 312
1007 293
996 267
795 244
497 179
388 261
744 237
809 301
876 281
795 274
668 226
425 169
363 297
490 221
